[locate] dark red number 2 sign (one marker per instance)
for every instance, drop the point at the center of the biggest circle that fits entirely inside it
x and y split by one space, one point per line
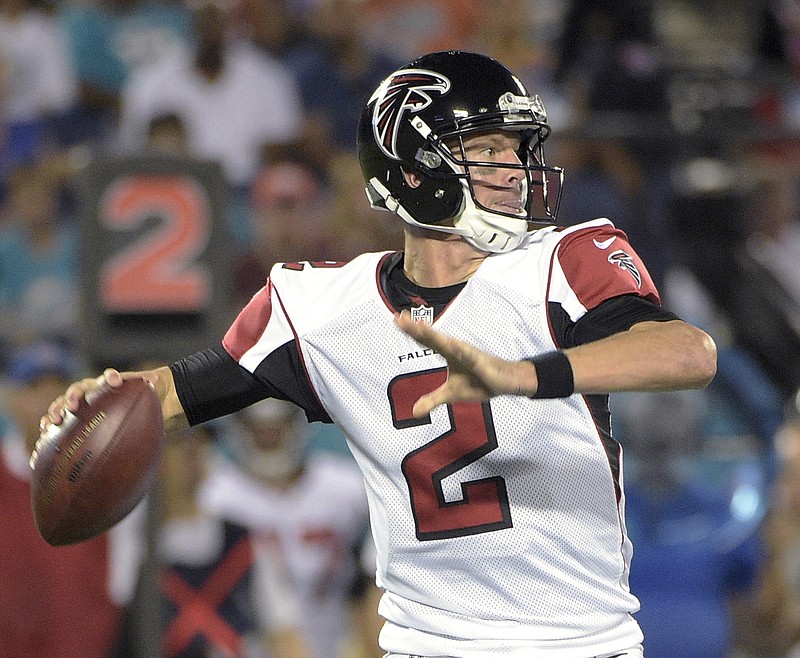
159 272
484 504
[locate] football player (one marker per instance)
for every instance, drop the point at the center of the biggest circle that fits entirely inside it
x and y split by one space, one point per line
305 508
470 374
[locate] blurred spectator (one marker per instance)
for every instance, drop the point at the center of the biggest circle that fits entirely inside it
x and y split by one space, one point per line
505 30
166 134
719 284
778 33
778 49
608 57
772 622
308 511
694 533
37 83
109 42
220 597
337 72
167 137
38 256
296 215
234 100
274 28
774 241
405 29
606 178
367 621
54 602
611 70
616 147
289 221
743 386
356 227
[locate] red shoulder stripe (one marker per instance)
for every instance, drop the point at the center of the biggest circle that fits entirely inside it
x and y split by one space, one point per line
599 264
250 324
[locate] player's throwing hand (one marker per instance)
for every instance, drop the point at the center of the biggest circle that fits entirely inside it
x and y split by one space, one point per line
472 374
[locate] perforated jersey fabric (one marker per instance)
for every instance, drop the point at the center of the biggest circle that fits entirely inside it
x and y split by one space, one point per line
499 527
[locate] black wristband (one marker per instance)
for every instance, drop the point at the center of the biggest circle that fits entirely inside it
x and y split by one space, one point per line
554 372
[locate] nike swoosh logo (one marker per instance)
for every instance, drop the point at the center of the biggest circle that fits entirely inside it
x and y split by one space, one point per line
605 244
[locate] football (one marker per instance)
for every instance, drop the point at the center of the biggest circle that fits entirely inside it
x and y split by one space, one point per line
91 470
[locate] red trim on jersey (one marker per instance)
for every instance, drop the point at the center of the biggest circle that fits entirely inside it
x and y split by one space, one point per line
600 264
445 309
615 472
381 292
408 298
582 251
250 324
299 351
547 298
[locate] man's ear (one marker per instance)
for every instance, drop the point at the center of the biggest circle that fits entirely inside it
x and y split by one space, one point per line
412 178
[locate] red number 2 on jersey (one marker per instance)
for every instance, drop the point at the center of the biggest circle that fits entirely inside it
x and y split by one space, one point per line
484 505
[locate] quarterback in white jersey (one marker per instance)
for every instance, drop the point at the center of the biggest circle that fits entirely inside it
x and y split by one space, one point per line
526 493
470 374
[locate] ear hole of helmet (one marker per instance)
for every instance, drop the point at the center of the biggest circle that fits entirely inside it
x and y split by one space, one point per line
435 199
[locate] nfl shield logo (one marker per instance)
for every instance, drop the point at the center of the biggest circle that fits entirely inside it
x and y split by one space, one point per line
424 313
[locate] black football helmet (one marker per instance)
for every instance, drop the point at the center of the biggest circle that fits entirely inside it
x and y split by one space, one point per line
417 119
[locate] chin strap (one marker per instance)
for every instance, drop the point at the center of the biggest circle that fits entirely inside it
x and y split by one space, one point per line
381 198
482 229
489 231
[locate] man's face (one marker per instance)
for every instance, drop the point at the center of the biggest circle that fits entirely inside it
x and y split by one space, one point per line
497 188
270 436
274 448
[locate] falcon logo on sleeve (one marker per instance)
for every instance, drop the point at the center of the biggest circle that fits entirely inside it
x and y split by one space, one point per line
408 90
625 262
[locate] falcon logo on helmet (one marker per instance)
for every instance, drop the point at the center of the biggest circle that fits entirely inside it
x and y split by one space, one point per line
415 126
625 262
407 90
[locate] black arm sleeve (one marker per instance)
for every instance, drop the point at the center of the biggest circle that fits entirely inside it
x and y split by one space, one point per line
211 384
611 317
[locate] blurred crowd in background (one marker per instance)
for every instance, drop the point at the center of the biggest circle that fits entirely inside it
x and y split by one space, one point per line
677 119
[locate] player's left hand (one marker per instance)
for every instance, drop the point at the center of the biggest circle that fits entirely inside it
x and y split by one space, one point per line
472 374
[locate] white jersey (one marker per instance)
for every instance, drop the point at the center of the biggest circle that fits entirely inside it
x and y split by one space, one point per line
499 526
310 532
